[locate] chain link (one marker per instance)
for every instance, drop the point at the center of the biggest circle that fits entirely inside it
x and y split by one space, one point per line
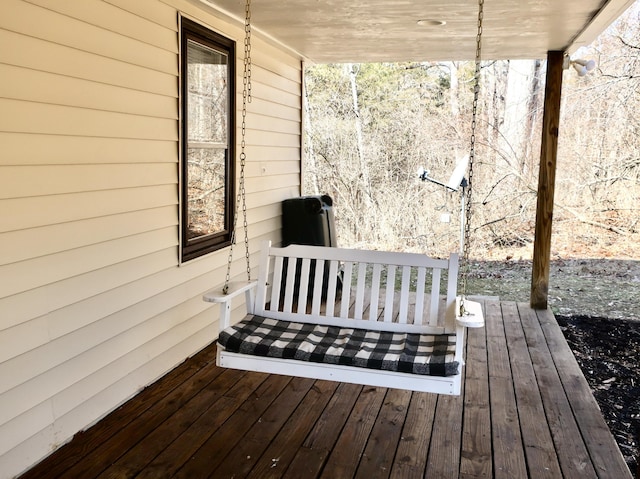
241 196
472 154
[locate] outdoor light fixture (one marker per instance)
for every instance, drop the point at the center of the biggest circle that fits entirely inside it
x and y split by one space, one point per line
581 66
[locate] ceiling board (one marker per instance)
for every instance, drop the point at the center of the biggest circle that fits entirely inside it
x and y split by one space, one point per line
326 31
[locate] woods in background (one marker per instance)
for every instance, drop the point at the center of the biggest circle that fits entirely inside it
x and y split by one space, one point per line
369 127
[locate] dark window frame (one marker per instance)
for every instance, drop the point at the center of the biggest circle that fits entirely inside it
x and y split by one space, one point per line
196 247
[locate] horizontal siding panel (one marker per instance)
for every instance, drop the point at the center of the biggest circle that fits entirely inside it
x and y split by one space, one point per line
271 168
23 426
25 181
25 244
262 221
20 17
152 10
26 84
65 319
275 125
22 338
115 19
282 154
67 293
37 149
166 287
42 55
273 95
267 183
107 399
261 228
28 452
274 80
78 301
115 394
75 357
262 213
267 108
257 153
25 275
161 333
157 356
27 117
274 60
276 194
21 213
267 138
138 378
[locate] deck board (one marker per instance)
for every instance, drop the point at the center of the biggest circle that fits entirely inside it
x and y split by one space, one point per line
572 455
411 456
508 450
345 456
377 460
603 450
186 444
315 450
294 432
526 411
142 453
231 434
476 458
86 442
536 437
249 452
444 450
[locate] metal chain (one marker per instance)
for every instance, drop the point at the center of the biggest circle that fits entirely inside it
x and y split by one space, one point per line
241 196
472 153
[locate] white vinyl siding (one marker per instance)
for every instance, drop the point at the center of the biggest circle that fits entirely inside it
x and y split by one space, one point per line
93 303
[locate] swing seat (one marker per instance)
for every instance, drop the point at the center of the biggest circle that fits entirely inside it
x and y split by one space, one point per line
366 317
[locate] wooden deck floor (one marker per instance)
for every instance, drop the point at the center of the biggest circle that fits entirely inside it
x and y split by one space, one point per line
526 411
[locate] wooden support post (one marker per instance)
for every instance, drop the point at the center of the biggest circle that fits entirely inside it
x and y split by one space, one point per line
546 181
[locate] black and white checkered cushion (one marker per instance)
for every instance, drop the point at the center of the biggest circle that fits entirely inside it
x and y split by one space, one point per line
403 352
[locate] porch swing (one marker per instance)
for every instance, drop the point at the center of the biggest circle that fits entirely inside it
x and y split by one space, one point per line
367 317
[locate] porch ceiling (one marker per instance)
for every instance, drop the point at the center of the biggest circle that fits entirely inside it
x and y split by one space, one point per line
327 31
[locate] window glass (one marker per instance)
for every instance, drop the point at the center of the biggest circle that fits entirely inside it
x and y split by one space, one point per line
208 112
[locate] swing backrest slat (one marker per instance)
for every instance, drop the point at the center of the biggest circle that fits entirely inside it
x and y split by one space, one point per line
363 289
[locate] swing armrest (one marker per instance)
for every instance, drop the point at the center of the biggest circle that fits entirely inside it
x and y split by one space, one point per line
474 317
236 288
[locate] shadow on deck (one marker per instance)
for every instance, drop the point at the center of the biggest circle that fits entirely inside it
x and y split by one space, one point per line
525 411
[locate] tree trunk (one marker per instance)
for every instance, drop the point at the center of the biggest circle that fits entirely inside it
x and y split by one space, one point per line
454 92
311 180
365 180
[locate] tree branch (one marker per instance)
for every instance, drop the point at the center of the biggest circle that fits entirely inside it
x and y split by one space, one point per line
582 219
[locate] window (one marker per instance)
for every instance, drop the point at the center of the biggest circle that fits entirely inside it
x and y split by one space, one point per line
208 119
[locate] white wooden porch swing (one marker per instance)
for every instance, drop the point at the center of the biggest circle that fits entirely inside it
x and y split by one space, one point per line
366 317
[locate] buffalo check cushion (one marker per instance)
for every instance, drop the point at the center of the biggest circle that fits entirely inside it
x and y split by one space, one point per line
425 354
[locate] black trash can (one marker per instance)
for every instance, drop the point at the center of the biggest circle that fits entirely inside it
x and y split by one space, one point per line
309 220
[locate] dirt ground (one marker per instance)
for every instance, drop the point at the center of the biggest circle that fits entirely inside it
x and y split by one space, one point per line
597 303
